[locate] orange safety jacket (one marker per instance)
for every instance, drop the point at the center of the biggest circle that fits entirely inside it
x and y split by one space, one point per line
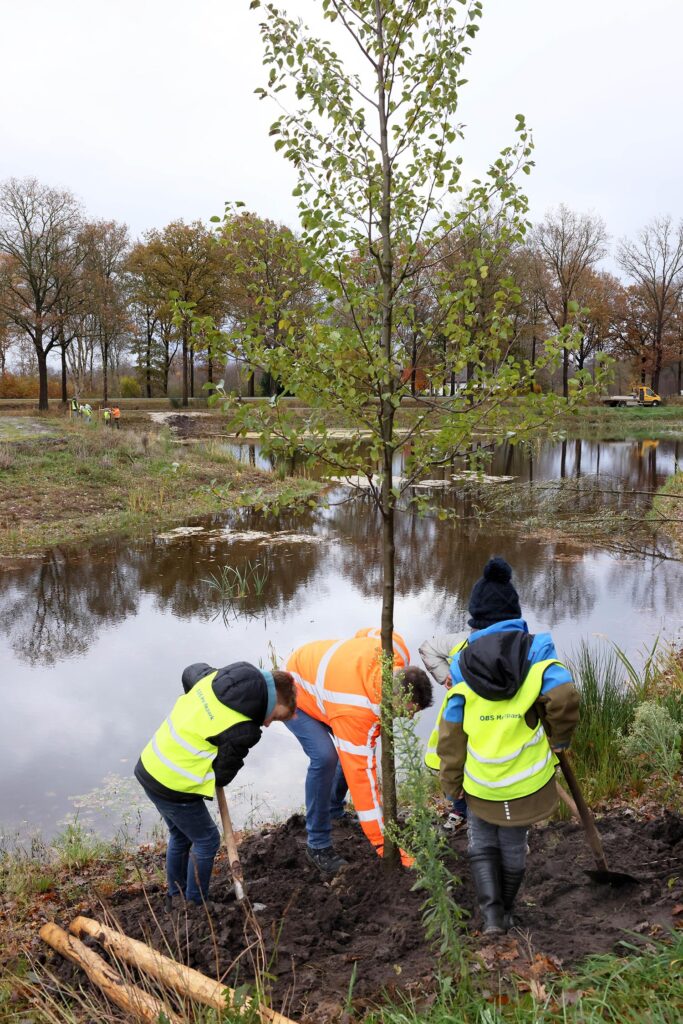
339 682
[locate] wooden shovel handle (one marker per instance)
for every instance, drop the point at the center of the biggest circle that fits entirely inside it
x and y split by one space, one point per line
229 836
587 820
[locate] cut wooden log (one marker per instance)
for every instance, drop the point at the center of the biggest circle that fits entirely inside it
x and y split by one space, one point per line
183 979
138 1004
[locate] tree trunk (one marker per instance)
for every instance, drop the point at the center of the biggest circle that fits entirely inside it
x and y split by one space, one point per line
565 373
65 396
42 371
185 366
148 362
413 366
209 367
191 371
391 853
251 384
105 370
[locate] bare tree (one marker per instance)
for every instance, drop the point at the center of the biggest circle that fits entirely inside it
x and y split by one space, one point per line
654 262
106 244
567 244
39 228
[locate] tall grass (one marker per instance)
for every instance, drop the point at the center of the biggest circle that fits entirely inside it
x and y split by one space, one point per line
612 689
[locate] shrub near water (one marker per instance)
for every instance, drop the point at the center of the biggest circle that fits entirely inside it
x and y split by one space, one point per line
631 721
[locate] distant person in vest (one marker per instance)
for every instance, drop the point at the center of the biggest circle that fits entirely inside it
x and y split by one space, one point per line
200 745
511 704
339 690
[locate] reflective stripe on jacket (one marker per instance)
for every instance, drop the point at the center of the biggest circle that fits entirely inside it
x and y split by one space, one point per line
339 682
432 759
506 758
179 755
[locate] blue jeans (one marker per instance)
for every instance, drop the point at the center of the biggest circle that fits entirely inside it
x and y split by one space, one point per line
192 846
326 787
510 840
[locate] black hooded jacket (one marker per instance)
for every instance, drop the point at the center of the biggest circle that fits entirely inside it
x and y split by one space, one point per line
497 664
239 686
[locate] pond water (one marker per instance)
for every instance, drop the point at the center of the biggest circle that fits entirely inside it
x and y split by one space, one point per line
94 640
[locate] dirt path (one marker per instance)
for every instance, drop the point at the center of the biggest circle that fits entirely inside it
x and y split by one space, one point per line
315 931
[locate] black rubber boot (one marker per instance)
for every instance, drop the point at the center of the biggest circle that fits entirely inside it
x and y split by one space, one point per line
510 887
486 873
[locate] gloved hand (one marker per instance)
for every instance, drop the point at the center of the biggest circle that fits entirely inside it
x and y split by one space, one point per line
459 807
458 815
406 860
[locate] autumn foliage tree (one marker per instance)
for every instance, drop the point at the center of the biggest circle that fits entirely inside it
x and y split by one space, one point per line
265 284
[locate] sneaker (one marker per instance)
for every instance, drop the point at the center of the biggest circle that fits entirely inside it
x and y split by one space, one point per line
326 860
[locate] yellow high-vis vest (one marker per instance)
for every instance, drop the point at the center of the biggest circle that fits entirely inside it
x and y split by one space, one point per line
179 755
431 758
506 759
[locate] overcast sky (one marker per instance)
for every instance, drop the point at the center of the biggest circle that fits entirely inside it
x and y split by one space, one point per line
145 108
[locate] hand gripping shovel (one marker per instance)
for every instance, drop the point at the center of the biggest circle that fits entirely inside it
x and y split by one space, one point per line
602 873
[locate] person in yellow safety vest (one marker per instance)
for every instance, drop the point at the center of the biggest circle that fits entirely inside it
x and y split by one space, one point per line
510 705
339 691
200 745
73 407
106 416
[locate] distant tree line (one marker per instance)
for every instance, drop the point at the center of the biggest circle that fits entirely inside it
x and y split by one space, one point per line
81 295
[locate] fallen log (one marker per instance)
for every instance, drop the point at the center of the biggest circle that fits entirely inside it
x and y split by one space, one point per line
185 980
134 1001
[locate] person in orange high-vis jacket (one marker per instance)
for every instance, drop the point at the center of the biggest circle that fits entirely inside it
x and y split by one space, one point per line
339 689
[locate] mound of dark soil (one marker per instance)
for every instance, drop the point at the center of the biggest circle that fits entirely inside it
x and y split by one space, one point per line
316 931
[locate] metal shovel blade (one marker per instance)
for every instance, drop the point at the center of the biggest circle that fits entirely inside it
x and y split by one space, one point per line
614 878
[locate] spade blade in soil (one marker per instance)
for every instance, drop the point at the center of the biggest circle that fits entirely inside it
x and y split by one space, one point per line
615 878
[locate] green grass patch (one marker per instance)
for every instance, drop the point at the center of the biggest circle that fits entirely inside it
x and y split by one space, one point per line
617 751
91 480
643 987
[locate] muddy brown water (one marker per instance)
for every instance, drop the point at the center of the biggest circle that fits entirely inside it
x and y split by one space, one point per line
94 639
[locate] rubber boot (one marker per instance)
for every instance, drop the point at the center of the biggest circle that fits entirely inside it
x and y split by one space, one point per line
511 883
486 874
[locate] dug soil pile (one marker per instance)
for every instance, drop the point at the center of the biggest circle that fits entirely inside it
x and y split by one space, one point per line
316 932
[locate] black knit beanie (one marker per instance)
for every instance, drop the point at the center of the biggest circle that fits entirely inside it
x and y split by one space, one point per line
493 597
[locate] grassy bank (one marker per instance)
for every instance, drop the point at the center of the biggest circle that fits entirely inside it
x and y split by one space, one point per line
80 481
601 423
667 508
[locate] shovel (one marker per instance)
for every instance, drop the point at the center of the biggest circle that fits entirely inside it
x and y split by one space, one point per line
603 873
229 836
231 845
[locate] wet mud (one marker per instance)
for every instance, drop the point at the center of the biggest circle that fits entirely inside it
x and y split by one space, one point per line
365 923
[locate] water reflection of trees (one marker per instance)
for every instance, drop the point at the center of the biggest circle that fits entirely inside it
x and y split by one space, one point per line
445 559
52 609
55 607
